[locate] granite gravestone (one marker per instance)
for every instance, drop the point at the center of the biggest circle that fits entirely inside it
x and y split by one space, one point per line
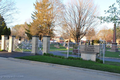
89 52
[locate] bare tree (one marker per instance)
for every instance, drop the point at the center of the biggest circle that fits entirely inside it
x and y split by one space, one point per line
79 17
7 10
19 30
90 34
105 34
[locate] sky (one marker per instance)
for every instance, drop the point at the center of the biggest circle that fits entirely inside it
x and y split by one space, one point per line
25 9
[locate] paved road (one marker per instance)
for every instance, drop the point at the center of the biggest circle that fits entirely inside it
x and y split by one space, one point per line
15 69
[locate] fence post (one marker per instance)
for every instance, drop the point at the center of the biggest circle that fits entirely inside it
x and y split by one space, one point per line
100 50
35 45
3 43
11 43
79 48
68 49
103 53
46 44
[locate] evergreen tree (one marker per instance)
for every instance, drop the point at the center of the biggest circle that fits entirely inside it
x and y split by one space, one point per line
27 31
42 18
3 28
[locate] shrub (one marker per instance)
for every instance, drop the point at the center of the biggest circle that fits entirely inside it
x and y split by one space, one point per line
96 41
48 54
71 58
99 61
51 55
74 58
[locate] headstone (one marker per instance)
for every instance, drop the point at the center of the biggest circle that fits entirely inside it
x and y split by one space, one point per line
3 43
35 44
46 44
89 52
11 43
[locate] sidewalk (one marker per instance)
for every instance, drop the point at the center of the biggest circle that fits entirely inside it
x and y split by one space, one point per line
16 69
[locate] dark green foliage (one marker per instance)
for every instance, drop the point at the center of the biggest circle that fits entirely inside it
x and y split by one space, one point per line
96 41
71 58
6 31
99 61
27 31
62 57
92 42
48 54
51 55
74 58
3 28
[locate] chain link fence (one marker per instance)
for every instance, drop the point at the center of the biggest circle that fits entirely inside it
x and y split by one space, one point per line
62 49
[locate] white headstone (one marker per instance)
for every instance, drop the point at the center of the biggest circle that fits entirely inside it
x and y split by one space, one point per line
89 52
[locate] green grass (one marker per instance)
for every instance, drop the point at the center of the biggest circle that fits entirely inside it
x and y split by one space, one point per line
112 54
75 63
61 48
20 50
112 63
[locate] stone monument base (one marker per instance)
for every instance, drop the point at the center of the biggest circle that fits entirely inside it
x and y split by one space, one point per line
114 47
88 56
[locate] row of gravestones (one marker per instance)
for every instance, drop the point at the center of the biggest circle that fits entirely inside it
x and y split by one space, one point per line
46 44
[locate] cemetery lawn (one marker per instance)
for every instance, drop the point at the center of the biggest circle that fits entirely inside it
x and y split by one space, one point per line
112 63
20 50
75 63
61 48
112 54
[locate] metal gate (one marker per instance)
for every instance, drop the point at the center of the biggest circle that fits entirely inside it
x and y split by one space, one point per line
26 46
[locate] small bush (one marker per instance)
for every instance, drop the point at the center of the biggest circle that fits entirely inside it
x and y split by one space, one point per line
62 57
71 58
99 61
74 58
48 54
96 41
79 58
51 55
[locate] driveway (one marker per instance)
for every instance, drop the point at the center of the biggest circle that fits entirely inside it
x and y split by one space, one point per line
15 69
